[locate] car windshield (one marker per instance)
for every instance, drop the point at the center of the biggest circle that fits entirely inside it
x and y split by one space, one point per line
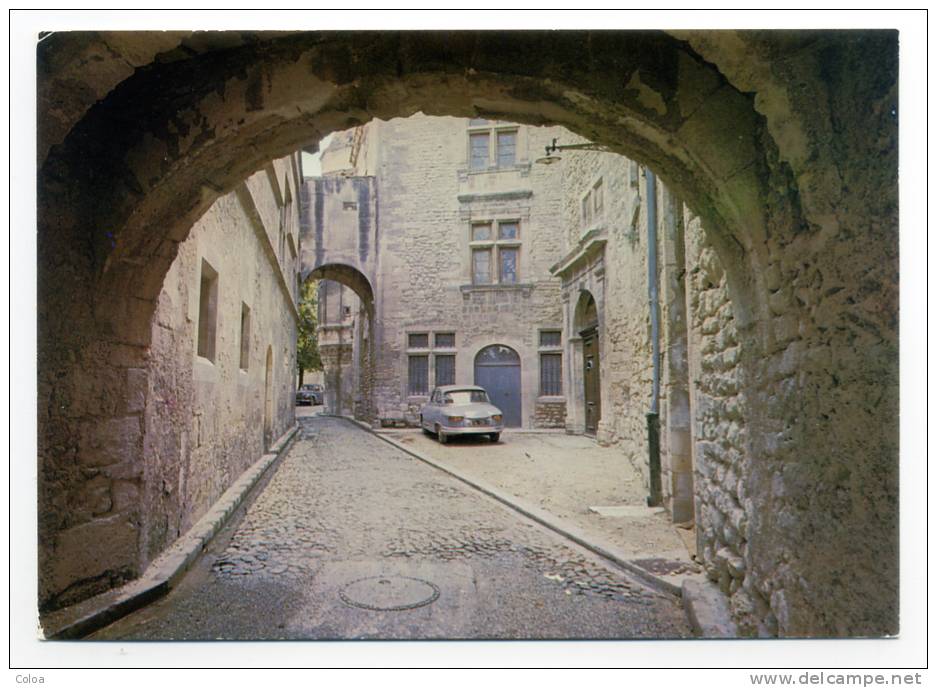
467 396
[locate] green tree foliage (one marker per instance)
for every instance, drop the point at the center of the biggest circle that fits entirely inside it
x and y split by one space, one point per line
307 341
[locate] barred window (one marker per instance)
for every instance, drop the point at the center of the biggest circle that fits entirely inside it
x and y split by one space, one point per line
551 375
444 340
418 341
550 338
445 369
418 375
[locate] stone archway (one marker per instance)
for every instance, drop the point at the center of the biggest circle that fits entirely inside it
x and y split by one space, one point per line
765 137
347 343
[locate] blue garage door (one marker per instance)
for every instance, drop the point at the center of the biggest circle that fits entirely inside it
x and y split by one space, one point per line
498 370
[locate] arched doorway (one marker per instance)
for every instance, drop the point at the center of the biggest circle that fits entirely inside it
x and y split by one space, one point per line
587 327
498 370
268 399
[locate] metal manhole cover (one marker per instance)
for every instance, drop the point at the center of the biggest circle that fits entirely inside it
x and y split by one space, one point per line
389 593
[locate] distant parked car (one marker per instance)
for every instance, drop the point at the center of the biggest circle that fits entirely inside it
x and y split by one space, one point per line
461 410
309 395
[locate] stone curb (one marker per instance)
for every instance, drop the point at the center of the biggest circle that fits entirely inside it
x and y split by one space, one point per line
707 610
537 514
165 572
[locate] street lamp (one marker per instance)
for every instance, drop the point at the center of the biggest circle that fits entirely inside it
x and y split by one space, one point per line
549 158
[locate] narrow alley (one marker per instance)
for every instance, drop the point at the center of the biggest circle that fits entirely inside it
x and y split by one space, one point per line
353 538
646 282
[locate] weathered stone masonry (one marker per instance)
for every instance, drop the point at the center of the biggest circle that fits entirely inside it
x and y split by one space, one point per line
199 422
784 144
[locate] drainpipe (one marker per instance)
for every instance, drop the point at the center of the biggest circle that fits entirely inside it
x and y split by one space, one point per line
654 497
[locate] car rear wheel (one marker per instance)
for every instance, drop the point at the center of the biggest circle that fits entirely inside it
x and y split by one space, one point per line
441 436
495 436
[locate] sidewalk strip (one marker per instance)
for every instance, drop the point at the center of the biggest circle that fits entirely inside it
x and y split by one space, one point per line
164 573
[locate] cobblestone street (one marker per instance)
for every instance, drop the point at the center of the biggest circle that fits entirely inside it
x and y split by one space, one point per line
352 538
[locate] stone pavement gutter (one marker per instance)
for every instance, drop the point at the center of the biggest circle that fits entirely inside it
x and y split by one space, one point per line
706 610
164 573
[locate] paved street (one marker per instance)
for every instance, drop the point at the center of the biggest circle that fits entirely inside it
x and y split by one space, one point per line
564 475
352 538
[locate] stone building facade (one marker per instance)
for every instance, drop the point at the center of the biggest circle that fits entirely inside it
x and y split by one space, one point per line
455 228
217 392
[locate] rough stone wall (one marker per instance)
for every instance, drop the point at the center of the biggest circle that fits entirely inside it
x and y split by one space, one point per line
550 414
205 420
721 452
199 423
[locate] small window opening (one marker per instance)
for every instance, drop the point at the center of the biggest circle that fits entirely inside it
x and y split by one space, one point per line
245 336
207 311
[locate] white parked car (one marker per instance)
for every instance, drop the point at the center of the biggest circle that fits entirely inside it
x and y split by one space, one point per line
461 410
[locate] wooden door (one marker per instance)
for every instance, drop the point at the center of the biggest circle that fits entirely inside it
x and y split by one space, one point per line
498 370
590 376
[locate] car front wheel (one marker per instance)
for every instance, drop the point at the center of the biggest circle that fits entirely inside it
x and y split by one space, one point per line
495 436
441 436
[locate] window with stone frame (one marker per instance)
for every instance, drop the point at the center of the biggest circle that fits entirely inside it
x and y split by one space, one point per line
418 340
598 199
586 209
495 250
551 363
207 312
492 145
421 353
479 150
444 340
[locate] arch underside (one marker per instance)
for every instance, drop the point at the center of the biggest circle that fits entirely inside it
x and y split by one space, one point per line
782 145
346 275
